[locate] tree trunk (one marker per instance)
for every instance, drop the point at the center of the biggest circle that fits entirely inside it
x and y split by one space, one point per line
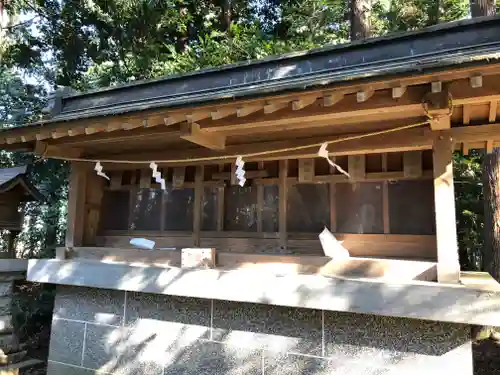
479 8
491 190
491 179
360 19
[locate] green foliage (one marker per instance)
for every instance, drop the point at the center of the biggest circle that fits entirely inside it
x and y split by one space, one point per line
469 208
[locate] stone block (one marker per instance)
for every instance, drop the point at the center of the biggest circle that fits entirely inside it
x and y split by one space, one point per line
6 288
89 304
211 358
54 368
112 350
5 305
274 328
191 315
66 341
378 341
293 364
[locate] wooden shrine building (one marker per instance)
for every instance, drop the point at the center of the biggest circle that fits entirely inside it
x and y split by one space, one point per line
157 160
15 188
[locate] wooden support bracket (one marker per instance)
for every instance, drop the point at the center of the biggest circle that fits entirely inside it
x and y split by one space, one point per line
412 164
357 167
437 105
178 177
306 170
193 133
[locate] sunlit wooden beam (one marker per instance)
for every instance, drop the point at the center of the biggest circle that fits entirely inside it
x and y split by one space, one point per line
191 132
476 81
493 111
332 99
363 95
398 92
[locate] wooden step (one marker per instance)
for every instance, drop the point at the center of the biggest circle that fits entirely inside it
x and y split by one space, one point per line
14 369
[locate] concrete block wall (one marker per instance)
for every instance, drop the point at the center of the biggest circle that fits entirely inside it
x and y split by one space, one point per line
98 331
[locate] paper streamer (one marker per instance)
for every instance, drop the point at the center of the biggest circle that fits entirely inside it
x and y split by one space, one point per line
157 175
323 153
98 169
240 172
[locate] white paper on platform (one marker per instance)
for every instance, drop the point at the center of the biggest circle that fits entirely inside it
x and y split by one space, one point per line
142 243
332 247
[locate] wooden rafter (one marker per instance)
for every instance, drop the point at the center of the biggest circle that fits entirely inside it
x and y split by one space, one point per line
461 90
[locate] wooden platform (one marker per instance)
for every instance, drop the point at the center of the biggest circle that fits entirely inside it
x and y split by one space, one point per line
373 268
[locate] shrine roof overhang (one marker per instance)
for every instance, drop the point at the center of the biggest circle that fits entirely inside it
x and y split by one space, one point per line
285 101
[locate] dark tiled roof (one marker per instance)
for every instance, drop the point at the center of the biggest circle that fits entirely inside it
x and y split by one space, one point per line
440 47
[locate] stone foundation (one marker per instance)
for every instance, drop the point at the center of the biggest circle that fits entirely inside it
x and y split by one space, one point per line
98 331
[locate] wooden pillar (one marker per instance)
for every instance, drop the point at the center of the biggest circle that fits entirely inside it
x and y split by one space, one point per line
385 198
76 205
448 268
93 199
198 200
11 246
283 192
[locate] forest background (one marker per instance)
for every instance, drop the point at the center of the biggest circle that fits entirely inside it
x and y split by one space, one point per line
88 44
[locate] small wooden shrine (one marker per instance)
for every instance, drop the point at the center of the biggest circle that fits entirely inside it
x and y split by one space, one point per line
242 167
15 188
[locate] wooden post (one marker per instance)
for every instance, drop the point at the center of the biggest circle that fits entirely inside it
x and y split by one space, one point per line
283 192
93 198
448 267
11 247
76 205
198 199
220 204
385 198
260 202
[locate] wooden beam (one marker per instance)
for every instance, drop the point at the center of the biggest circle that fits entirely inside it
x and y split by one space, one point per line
248 109
46 150
198 200
76 205
465 149
191 132
306 170
493 111
436 86
331 99
115 180
178 177
303 102
412 164
444 201
489 147
145 181
437 107
260 202
385 198
398 92
275 106
223 112
466 114
365 94
476 81
356 167
283 194
220 203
